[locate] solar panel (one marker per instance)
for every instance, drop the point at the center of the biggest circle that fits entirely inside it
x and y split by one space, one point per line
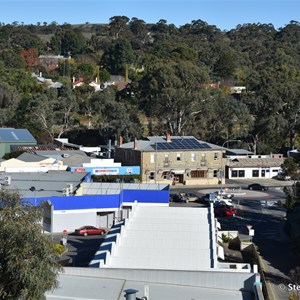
180 144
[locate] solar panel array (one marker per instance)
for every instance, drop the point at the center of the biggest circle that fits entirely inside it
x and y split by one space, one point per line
180 144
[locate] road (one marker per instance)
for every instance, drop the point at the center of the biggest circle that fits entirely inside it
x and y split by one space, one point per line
257 209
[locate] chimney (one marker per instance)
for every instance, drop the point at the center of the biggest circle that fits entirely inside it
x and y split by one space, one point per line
120 141
135 145
130 294
168 137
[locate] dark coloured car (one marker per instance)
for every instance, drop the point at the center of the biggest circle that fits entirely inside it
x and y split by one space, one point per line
282 176
179 198
257 187
89 230
225 211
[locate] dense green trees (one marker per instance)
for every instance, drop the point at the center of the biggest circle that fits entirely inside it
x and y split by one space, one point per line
28 265
179 80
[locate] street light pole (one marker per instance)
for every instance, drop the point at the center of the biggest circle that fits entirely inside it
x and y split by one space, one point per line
33 189
155 162
222 172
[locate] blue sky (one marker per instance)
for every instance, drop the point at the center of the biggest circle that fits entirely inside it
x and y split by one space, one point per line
222 13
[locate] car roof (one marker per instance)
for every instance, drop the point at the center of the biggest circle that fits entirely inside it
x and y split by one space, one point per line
85 226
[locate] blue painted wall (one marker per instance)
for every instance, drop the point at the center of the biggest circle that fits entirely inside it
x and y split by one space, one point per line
149 196
104 201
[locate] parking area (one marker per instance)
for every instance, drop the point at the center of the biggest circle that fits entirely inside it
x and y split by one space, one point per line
81 249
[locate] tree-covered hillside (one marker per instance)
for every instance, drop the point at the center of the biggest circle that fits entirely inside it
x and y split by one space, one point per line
175 79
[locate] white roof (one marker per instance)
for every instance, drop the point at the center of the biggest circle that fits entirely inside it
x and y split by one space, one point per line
169 238
103 188
97 288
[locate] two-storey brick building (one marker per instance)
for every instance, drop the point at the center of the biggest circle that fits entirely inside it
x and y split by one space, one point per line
174 159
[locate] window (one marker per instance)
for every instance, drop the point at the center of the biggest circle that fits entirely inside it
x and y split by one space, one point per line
152 175
152 158
216 156
255 173
216 173
241 173
165 175
178 156
198 174
166 158
234 173
193 157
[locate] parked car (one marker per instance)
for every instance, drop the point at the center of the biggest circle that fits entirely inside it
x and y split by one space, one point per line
179 198
223 201
224 194
257 187
225 211
204 199
89 230
191 197
282 176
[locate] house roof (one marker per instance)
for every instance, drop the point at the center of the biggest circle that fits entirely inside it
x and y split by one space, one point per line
50 183
76 160
60 154
12 135
255 162
238 152
29 157
160 143
34 148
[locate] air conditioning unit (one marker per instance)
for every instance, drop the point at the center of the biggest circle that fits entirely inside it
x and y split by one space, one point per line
7 180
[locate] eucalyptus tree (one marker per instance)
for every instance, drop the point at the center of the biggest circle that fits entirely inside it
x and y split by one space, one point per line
118 26
66 40
28 265
65 109
40 107
170 91
114 117
117 55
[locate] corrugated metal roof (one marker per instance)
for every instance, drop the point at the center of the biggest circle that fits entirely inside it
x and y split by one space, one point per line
78 287
169 238
76 160
105 188
12 135
29 157
238 152
59 154
50 183
255 162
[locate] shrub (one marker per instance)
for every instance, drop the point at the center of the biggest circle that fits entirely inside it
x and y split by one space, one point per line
58 249
225 238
